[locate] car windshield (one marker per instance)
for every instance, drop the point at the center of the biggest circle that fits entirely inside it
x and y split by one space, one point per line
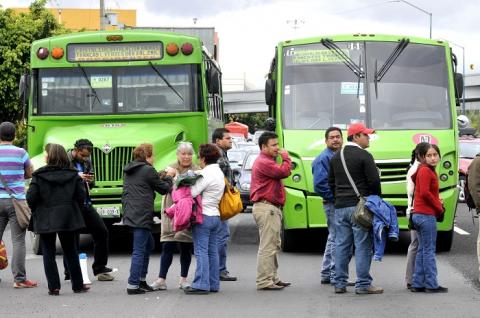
250 160
109 90
320 91
469 149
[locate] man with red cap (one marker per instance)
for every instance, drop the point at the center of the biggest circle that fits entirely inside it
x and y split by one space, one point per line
363 171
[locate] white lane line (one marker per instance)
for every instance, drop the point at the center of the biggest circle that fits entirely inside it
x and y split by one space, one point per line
460 231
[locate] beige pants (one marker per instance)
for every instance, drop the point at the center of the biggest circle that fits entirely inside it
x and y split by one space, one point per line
269 223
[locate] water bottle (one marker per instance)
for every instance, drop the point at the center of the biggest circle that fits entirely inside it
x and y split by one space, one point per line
84 267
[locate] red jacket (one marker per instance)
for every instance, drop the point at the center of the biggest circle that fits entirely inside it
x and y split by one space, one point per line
426 198
267 177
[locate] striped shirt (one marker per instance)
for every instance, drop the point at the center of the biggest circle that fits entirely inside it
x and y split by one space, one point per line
13 163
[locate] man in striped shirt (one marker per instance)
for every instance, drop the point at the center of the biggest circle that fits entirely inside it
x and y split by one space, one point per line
15 167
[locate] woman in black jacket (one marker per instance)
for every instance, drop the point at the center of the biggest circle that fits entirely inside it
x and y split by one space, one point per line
55 196
140 182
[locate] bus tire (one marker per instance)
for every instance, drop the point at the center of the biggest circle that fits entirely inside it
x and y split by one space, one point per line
36 246
288 240
444 240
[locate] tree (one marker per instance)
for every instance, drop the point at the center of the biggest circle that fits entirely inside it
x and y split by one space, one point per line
17 32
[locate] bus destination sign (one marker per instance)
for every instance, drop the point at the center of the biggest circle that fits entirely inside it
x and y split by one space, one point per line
101 52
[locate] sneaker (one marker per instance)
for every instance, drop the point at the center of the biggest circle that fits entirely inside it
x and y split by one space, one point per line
225 276
156 285
25 284
135 291
369 290
143 285
107 274
194 291
439 289
181 285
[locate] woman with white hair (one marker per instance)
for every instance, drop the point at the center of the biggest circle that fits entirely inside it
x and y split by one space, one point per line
170 239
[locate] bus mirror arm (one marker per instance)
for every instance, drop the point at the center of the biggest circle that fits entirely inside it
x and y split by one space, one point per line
375 79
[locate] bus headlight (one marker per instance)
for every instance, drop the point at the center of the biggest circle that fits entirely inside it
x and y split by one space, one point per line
443 177
447 164
296 178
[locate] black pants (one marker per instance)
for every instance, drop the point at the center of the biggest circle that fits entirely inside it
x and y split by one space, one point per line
168 248
99 232
70 255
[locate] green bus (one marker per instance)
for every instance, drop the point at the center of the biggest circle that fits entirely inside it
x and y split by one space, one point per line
404 87
119 89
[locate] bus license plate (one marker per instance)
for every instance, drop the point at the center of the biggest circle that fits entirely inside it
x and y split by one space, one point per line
108 211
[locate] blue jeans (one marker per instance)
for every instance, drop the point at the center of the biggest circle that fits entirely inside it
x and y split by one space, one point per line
348 234
143 245
328 263
425 274
205 237
223 236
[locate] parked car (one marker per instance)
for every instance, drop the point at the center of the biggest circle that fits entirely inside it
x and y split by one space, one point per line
257 135
244 175
235 157
469 147
247 146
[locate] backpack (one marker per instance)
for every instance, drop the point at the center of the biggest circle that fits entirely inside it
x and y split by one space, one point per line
468 196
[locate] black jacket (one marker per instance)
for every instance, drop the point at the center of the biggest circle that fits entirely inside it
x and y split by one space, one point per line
364 172
55 196
140 181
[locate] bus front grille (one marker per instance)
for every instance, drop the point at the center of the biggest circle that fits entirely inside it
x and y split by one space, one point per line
109 166
393 170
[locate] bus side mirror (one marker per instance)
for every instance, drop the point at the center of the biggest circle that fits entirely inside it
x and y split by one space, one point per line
270 124
458 85
213 81
270 93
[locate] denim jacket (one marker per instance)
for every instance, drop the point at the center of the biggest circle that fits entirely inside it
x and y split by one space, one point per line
320 170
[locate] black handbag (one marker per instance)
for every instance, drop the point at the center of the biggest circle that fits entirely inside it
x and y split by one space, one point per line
362 215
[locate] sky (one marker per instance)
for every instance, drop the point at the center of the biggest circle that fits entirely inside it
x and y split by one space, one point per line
250 29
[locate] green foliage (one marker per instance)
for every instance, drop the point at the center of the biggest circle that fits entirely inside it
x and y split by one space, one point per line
20 135
17 32
254 121
474 116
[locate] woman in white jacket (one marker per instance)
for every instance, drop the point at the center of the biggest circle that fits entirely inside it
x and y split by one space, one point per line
413 247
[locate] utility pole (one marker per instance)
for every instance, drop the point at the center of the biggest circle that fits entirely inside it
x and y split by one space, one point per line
103 22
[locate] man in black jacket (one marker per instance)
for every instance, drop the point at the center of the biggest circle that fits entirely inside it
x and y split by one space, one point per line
364 173
80 160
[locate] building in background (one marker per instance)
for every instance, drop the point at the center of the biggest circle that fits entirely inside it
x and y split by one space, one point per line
89 19
472 91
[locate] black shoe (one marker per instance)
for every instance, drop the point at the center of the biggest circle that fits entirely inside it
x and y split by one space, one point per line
439 289
84 289
325 281
143 285
417 289
54 292
340 290
225 276
409 286
194 291
105 270
67 276
135 291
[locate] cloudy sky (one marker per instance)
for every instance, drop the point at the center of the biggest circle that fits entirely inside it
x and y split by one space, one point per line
249 29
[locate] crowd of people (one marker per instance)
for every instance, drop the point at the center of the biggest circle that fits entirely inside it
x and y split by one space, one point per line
58 197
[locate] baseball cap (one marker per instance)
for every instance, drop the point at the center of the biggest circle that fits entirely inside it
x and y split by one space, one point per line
359 128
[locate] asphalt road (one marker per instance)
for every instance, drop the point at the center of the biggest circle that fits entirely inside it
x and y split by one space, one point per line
458 270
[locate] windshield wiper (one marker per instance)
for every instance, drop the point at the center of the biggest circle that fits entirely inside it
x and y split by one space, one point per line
357 70
90 85
165 80
389 62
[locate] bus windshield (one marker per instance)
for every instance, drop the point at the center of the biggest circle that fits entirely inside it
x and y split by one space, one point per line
320 91
110 90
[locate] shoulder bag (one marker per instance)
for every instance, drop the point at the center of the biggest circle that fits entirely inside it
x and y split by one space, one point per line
362 216
3 256
21 208
231 202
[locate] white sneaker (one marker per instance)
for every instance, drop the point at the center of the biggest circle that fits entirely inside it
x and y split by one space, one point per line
183 285
156 285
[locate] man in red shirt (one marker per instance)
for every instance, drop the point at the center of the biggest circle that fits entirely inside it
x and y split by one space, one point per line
268 194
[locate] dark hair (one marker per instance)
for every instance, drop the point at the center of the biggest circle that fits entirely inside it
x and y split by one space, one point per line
83 144
415 152
219 133
7 131
423 148
57 156
142 152
209 152
350 138
265 137
330 129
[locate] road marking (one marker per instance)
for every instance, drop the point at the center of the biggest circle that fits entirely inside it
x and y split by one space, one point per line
460 231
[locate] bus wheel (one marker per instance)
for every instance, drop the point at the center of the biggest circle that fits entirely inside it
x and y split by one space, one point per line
444 240
288 240
36 247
